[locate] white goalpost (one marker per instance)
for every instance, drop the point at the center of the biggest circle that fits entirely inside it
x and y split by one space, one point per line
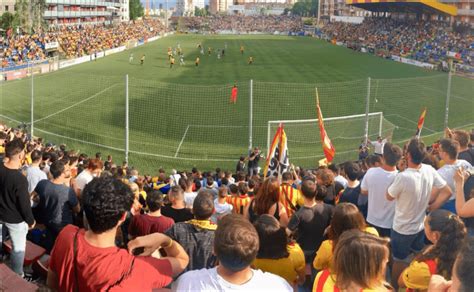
374 119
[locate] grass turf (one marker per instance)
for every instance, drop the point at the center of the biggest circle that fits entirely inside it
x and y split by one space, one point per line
181 117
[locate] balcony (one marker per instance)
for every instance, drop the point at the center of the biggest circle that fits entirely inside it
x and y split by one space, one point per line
75 14
81 2
466 12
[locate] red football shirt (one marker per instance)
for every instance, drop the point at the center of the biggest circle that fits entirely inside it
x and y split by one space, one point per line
145 224
100 269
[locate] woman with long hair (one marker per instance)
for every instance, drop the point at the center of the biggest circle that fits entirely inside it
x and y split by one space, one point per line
346 217
447 233
360 260
267 202
276 254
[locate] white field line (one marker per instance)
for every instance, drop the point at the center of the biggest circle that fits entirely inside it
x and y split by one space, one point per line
182 140
413 122
10 119
77 103
444 93
80 141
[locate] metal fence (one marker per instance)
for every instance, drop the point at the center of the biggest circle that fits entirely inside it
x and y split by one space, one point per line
152 124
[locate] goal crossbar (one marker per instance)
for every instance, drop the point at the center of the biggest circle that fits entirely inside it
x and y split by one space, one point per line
367 116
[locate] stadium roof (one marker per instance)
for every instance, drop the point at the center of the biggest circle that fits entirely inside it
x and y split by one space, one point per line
407 6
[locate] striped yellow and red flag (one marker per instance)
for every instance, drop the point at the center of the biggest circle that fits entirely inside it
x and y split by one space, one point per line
277 160
328 148
421 121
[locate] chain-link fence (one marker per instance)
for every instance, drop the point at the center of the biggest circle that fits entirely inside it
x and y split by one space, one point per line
154 124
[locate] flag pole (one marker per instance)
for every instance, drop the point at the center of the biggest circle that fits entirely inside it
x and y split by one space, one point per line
420 127
317 95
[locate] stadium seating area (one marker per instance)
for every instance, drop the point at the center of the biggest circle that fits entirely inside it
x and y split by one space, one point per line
20 49
335 194
75 41
243 24
428 42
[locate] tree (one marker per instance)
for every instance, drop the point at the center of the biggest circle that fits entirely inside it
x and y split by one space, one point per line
29 15
22 14
7 20
37 11
314 8
305 8
136 9
200 11
301 8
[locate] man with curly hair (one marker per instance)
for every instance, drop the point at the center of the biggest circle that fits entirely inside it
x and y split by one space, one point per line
89 260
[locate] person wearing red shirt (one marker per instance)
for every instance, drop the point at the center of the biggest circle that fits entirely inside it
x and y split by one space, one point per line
89 260
144 224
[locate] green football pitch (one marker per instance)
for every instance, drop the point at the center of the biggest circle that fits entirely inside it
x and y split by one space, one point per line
181 117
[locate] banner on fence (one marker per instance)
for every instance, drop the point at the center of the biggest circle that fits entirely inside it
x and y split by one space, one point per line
153 38
412 62
453 55
51 46
71 62
347 19
17 74
115 50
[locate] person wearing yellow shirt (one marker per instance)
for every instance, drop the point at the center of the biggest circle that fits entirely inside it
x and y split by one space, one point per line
290 197
447 233
346 216
360 261
275 254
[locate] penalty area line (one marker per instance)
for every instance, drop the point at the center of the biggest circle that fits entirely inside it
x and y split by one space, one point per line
182 140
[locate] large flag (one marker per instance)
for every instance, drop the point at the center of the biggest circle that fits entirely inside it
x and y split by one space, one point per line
421 121
328 148
277 160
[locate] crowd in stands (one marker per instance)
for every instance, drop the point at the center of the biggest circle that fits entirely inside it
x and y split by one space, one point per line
240 24
398 218
79 41
425 41
23 48
75 41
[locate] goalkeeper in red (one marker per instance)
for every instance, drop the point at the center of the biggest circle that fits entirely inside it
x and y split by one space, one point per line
233 95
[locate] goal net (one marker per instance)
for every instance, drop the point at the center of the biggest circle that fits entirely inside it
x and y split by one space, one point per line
345 132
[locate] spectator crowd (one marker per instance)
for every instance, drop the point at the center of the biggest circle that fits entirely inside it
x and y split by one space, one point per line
425 41
75 41
240 24
398 218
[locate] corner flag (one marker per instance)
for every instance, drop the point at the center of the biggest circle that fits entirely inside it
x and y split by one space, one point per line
421 121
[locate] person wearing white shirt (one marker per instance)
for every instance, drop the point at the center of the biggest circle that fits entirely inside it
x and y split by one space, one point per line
412 191
187 185
337 175
94 169
375 183
378 145
448 152
235 246
174 177
33 173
